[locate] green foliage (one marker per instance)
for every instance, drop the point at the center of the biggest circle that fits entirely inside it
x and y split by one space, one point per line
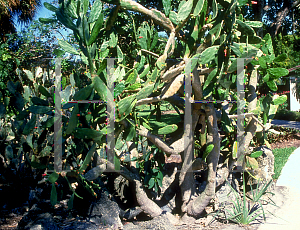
168 129
153 176
53 196
286 47
285 114
208 149
167 6
256 154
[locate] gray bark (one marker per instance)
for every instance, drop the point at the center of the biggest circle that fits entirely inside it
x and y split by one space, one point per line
196 206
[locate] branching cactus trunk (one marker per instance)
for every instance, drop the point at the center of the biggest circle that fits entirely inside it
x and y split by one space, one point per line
197 206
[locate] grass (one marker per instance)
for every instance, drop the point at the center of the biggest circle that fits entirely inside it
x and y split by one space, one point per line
281 156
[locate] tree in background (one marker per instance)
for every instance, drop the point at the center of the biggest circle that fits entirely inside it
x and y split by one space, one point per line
283 15
27 49
24 10
281 22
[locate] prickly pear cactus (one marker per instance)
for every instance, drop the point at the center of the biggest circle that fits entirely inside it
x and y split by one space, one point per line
181 59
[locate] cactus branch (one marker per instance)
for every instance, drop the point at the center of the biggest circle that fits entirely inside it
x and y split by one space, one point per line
151 53
142 131
156 15
252 98
175 99
197 85
171 42
171 88
148 100
169 91
205 71
177 146
171 73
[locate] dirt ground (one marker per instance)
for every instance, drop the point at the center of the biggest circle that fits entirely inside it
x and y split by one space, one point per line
285 143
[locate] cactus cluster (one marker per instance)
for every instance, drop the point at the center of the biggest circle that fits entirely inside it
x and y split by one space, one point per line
137 85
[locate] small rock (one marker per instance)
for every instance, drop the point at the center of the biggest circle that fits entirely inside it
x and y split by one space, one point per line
265 169
37 227
42 221
105 211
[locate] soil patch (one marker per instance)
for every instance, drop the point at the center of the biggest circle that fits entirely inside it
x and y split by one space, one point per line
293 141
288 137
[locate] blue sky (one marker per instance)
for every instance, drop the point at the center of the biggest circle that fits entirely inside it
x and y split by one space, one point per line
42 12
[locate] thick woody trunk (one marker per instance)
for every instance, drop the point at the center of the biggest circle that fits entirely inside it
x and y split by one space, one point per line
197 206
186 177
146 204
252 99
258 14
